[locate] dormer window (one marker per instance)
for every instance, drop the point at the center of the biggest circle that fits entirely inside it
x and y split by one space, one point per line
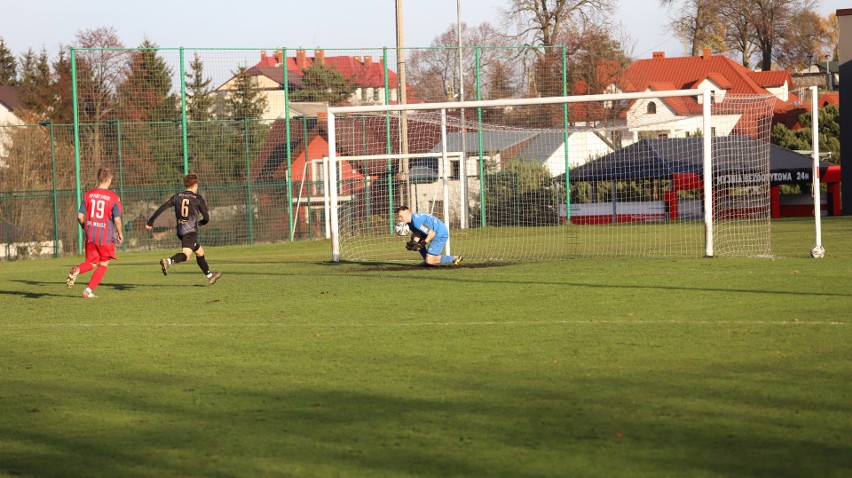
652 108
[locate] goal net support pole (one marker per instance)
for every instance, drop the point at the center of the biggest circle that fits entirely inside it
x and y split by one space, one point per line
708 173
817 251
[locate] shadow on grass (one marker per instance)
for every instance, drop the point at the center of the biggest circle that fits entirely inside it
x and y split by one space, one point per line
80 285
134 422
366 272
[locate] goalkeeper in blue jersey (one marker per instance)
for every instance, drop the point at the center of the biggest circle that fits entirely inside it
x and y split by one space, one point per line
429 235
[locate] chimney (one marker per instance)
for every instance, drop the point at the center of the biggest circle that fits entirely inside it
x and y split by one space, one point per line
707 53
357 58
301 61
368 61
658 54
263 55
278 55
319 56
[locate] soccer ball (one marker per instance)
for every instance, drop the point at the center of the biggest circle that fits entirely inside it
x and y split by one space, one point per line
817 252
401 229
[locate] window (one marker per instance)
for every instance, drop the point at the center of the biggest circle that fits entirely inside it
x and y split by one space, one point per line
319 177
455 169
652 108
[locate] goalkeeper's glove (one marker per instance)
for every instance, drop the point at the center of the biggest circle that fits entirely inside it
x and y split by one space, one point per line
416 242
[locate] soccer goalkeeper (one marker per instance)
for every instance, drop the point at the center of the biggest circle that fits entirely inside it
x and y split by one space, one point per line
429 236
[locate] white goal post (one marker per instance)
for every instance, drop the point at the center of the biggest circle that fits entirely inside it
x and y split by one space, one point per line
622 176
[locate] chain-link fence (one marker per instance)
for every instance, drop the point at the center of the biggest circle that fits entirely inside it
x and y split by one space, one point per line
249 122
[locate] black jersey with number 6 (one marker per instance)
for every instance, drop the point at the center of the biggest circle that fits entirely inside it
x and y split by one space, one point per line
187 206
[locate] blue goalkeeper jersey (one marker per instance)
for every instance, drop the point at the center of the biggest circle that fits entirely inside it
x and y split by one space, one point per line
425 222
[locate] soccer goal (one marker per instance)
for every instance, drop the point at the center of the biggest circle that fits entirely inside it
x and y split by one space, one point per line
554 178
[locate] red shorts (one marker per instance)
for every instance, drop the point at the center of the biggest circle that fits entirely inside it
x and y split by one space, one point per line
96 253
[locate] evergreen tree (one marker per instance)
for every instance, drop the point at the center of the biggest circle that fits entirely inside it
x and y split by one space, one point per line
325 84
245 100
148 111
199 94
829 133
246 104
8 66
145 94
498 85
61 106
36 83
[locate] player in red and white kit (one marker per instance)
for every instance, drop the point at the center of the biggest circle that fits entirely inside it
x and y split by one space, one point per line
100 218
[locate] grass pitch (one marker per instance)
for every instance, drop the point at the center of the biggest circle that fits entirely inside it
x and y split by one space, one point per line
292 366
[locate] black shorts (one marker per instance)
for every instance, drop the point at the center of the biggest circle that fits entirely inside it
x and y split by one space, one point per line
190 241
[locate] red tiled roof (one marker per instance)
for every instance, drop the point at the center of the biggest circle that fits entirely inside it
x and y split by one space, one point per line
687 72
830 98
362 72
720 80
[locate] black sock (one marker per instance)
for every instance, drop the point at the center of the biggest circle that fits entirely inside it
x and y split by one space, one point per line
202 263
178 258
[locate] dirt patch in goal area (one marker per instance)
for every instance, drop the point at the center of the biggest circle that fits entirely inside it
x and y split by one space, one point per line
384 267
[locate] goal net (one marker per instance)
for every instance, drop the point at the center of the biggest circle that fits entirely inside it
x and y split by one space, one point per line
554 178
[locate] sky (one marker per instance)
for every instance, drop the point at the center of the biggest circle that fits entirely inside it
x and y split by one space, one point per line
332 24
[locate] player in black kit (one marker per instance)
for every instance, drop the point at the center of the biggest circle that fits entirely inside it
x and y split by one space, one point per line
187 206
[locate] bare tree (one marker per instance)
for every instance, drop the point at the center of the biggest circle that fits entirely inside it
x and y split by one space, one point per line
434 72
102 66
739 34
772 19
803 42
542 23
698 23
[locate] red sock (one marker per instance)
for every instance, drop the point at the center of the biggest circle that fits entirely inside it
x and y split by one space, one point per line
85 267
96 277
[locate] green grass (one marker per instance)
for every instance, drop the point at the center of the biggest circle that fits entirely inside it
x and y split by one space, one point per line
292 366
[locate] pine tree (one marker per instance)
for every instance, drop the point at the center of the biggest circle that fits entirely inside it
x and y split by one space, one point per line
148 110
61 107
145 95
246 104
325 84
8 66
245 101
36 82
199 95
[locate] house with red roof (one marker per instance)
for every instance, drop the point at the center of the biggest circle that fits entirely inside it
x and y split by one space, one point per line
680 117
363 72
360 181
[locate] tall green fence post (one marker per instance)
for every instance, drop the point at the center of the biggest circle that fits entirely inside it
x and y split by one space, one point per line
117 124
76 141
289 149
49 124
183 124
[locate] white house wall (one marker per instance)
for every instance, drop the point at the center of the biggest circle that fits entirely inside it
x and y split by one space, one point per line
583 147
665 121
6 118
